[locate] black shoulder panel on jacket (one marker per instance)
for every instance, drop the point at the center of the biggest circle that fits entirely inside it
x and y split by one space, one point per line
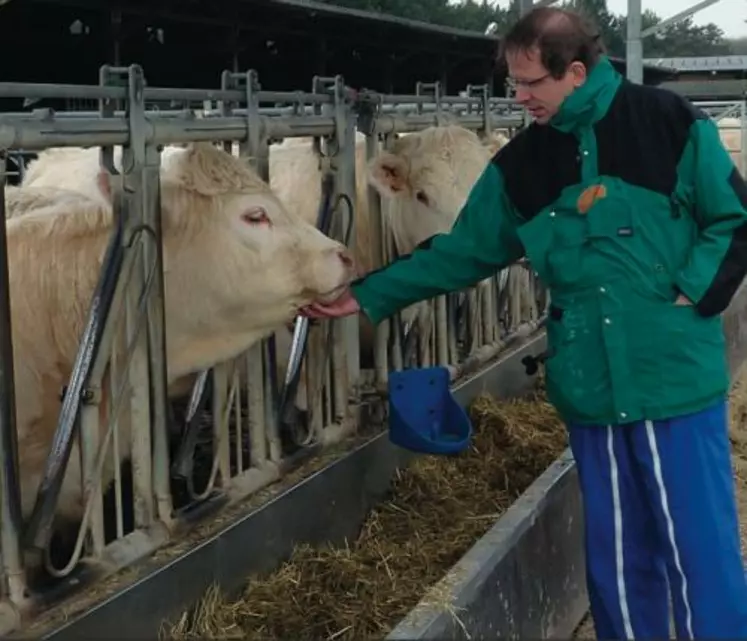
731 271
538 164
643 134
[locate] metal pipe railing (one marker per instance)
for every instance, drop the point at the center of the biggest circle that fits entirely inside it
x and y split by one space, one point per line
88 92
11 523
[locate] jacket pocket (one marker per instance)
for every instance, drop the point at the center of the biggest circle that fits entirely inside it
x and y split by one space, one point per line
565 257
553 240
577 375
605 245
675 355
611 218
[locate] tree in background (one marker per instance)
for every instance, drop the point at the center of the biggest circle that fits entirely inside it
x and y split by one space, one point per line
678 40
681 39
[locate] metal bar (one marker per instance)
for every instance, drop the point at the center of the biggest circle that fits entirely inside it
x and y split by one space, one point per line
90 442
346 361
676 17
378 231
301 328
221 418
293 110
695 89
49 90
156 336
33 134
634 45
138 292
394 124
97 92
255 401
707 104
39 526
397 100
11 522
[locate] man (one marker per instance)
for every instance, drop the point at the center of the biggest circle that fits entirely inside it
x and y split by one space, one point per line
629 208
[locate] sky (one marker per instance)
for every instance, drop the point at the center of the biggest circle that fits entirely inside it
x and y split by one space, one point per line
730 15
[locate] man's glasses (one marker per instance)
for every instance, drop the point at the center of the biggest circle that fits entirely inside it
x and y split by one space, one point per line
512 83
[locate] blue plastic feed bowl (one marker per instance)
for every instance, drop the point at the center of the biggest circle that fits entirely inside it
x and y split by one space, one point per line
423 415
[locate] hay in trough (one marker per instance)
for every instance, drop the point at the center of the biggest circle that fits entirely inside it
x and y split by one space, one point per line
438 508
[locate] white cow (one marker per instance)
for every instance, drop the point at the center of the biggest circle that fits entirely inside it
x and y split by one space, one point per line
19 201
424 180
237 264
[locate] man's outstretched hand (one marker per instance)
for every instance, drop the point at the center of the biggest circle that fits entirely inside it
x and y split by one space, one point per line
345 305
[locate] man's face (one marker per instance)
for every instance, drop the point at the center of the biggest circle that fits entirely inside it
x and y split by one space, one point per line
536 89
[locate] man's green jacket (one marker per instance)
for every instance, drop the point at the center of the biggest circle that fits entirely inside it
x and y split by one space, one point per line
624 200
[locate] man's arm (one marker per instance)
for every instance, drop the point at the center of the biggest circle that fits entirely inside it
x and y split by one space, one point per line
718 261
482 241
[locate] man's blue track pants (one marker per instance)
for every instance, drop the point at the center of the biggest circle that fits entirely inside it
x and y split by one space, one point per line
660 513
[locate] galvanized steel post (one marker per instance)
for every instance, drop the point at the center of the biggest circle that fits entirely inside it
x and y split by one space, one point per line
11 522
634 45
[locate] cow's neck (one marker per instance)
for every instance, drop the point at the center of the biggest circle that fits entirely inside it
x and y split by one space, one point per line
189 355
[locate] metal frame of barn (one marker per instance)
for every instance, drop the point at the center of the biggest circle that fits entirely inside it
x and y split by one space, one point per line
286 41
707 77
234 530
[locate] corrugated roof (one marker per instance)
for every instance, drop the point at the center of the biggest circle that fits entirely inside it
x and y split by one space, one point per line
331 9
701 63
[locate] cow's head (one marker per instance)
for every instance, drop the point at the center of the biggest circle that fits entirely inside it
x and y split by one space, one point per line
425 179
237 263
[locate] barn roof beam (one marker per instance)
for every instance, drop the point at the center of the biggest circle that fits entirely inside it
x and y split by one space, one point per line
682 15
635 36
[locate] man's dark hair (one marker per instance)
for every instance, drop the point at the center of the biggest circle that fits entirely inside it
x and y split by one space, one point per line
560 35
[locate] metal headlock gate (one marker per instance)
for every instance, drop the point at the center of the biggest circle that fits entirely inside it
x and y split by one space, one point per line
248 444
177 533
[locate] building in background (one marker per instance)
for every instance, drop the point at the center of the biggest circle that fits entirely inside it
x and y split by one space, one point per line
189 43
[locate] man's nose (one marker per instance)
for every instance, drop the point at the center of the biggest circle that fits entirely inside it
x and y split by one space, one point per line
522 94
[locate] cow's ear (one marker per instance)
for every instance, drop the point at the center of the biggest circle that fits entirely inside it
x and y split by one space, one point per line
104 184
388 174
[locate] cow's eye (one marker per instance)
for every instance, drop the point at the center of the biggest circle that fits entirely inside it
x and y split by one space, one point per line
422 197
256 216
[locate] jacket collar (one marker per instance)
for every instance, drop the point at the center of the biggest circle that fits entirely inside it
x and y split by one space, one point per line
589 102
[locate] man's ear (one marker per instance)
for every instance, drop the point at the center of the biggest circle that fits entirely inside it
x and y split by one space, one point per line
579 71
